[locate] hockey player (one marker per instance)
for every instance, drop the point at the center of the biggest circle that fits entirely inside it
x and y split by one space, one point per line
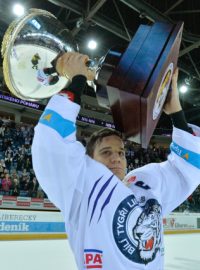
109 225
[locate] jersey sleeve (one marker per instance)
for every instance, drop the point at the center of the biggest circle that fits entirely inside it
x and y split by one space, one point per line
184 166
59 161
174 180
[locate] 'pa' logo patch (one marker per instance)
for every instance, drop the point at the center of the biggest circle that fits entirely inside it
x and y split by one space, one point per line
93 259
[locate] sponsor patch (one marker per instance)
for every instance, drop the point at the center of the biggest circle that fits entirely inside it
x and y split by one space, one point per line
93 259
131 179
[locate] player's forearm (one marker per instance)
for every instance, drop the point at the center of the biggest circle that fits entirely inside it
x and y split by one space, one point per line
179 121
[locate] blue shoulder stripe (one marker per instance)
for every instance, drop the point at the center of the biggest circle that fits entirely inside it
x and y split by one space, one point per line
55 121
189 156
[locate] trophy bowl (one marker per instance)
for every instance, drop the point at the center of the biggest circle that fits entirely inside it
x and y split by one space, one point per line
29 46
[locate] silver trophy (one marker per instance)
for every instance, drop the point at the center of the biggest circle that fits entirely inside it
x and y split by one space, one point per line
30 47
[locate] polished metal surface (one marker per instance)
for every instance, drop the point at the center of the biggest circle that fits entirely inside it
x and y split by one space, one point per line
30 45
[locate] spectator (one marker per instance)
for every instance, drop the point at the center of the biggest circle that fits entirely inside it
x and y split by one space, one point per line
32 187
40 193
2 166
27 164
9 151
15 187
8 161
24 180
1 180
6 184
20 164
2 131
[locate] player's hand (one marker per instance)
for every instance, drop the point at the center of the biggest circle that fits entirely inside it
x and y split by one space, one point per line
172 104
71 64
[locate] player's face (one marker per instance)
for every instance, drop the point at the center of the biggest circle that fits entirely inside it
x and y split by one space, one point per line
110 151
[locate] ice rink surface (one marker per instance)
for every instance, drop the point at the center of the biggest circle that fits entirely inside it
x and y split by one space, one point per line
181 252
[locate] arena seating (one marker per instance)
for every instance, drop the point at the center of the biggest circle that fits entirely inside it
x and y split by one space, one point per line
17 177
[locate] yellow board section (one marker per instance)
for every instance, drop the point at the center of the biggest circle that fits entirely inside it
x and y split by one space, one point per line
182 232
11 237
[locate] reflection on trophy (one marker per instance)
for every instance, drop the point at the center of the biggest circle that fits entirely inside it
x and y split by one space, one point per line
132 82
30 45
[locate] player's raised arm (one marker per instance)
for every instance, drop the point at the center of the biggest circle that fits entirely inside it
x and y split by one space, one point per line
174 180
58 159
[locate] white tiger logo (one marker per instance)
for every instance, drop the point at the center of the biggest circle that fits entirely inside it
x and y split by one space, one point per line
147 231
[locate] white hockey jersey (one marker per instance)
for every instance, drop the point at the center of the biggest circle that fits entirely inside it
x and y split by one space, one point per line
111 226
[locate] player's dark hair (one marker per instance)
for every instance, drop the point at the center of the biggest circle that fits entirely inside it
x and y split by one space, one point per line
97 137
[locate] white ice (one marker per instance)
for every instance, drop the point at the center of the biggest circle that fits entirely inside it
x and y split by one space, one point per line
181 252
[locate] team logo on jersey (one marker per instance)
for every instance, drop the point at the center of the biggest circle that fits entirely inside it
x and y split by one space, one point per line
93 259
137 230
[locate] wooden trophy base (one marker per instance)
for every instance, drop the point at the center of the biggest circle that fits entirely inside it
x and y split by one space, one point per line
134 82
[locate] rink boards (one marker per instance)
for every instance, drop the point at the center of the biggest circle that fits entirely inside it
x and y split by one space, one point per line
22 224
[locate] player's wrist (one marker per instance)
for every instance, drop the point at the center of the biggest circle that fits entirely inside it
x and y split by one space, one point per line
74 91
67 94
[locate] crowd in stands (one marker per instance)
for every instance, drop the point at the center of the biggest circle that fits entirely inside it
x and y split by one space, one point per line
17 177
